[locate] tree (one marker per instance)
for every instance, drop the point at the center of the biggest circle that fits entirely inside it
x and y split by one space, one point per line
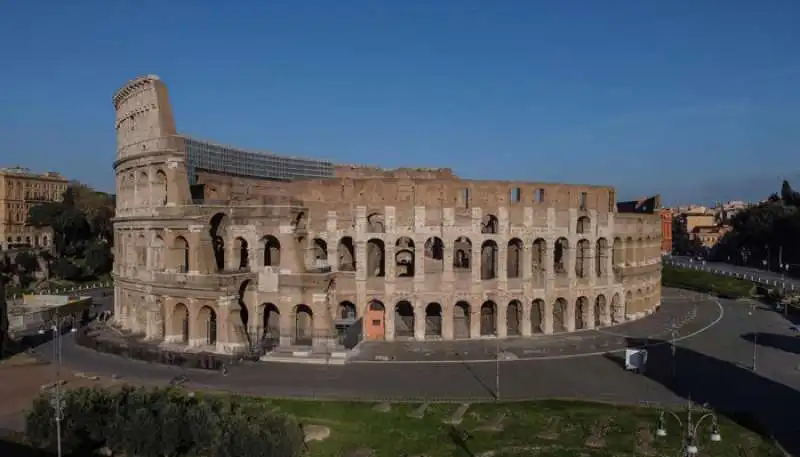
26 265
6 269
99 258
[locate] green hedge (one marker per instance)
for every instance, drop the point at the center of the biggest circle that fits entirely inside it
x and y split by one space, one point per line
703 281
138 422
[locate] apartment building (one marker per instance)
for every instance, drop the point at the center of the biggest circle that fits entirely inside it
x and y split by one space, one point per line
20 189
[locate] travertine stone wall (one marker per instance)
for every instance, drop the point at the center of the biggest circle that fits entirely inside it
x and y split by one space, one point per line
406 254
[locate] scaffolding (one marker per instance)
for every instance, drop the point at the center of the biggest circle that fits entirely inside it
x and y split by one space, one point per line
204 155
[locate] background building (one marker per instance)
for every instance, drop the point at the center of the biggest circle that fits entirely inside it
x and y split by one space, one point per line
20 189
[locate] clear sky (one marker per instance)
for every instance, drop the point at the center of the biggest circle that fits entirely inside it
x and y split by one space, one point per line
685 98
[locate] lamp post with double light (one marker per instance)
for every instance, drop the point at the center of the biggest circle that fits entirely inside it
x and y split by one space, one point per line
690 428
56 326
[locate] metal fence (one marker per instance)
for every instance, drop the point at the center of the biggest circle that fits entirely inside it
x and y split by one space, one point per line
65 290
755 277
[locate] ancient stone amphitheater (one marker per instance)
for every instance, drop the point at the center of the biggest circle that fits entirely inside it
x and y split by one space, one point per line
228 250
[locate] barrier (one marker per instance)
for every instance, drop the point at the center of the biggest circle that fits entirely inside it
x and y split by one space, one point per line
66 290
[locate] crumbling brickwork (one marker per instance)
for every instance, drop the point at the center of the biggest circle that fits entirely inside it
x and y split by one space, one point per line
406 254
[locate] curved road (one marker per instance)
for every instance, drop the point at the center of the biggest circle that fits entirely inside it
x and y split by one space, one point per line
761 276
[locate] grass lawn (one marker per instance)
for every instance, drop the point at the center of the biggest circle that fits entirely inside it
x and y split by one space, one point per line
544 428
701 281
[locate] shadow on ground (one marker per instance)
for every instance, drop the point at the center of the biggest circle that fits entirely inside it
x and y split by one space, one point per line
786 343
757 403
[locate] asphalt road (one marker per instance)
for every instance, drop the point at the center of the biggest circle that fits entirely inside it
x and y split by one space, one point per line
713 366
733 269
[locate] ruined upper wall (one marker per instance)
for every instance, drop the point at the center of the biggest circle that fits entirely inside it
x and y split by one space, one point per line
363 171
144 120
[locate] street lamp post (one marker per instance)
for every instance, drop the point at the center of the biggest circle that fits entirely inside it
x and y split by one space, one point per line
674 337
57 401
497 367
755 338
690 428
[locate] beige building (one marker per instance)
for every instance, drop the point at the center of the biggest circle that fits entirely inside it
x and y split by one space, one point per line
212 261
20 189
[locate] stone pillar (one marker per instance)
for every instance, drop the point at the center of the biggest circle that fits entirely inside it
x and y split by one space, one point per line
447 320
388 259
525 325
419 321
476 261
527 261
569 318
502 263
389 315
447 260
547 316
361 260
502 320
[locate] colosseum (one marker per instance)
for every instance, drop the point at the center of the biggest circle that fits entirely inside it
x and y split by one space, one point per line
225 250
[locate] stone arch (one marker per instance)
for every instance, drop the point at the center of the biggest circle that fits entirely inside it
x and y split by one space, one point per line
375 223
488 318
272 251
376 258
242 253
303 326
346 311
601 258
160 194
180 248
141 251
434 255
158 262
461 320
560 315
584 225
179 323
489 224
319 254
143 188
347 254
601 314
539 261
583 259
582 311
630 251
270 324
433 320
489 260
207 325
561 256
623 307
618 254
462 254
537 316
218 229
638 300
376 317
404 257
404 319
514 318
514 258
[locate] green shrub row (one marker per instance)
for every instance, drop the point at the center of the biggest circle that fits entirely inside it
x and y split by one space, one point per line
139 422
703 281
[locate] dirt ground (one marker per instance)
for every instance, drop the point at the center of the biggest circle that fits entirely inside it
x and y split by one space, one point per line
23 378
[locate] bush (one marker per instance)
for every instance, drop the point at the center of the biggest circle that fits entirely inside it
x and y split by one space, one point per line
137 422
703 281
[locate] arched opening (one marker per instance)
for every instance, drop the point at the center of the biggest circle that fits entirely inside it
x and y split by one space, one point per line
514 258
272 251
583 259
434 255
462 255
537 316
303 326
376 317
489 224
600 311
488 318
404 257
601 266
404 320
181 252
560 315
514 318
630 252
208 325
346 311
319 254
219 225
581 313
141 251
433 320
158 262
621 309
347 254
376 258
270 325
618 255
538 261
489 260
461 320
160 188
583 226
375 223
143 189
180 323
242 253
561 256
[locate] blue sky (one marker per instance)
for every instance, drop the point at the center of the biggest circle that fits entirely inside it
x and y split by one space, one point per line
682 97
